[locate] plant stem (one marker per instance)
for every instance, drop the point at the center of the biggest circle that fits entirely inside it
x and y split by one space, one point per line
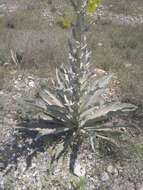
77 35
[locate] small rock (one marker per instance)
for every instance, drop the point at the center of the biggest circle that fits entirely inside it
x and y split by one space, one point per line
30 78
112 170
31 84
79 170
33 165
6 64
100 71
90 157
19 77
100 44
127 65
15 82
105 176
57 172
1 92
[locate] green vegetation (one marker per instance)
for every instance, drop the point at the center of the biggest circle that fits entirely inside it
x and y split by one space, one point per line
4 56
64 21
74 102
80 184
9 183
92 5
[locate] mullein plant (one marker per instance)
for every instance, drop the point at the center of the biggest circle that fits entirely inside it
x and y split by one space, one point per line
74 102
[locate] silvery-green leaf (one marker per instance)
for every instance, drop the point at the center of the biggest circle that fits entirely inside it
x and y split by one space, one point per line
64 71
100 83
66 114
36 103
60 82
104 81
89 100
62 96
47 131
57 108
57 114
89 111
62 78
53 111
40 103
108 139
14 57
54 115
92 142
105 131
109 108
87 80
55 100
55 131
45 97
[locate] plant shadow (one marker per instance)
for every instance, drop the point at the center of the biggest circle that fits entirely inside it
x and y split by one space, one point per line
26 142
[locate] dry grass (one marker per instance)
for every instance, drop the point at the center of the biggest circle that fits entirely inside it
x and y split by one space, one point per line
131 7
1 78
121 53
115 48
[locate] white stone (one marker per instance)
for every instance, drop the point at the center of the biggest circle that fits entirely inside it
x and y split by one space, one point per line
33 165
1 92
31 84
79 170
100 44
30 78
127 65
105 176
6 64
19 77
112 170
15 82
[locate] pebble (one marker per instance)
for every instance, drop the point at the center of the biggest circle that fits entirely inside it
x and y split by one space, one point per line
19 77
57 172
105 176
31 84
127 65
6 64
30 78
100 44
112 170
79 170
1 92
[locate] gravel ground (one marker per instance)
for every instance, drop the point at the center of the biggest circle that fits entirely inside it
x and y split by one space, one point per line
25 166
